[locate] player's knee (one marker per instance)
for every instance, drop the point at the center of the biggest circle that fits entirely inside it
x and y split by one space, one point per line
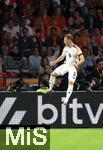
71 83
70 86
54 74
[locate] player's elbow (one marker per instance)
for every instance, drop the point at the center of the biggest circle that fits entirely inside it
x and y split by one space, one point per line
82 59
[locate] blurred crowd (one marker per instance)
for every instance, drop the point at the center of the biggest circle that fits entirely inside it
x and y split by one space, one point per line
32 33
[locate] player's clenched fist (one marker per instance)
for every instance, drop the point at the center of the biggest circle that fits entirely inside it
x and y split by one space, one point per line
52 63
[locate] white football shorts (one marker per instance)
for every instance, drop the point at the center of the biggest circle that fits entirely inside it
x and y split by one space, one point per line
63 69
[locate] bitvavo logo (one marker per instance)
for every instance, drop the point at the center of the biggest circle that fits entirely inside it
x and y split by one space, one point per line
74 106
62 114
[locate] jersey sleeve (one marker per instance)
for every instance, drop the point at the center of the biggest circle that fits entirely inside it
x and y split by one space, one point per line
64 52
79 50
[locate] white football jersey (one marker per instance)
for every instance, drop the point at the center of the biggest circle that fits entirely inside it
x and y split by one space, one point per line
71 54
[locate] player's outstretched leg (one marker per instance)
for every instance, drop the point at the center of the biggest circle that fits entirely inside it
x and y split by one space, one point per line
51 82
68 93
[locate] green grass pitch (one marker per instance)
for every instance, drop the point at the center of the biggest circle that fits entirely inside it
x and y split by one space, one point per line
65 139
77 139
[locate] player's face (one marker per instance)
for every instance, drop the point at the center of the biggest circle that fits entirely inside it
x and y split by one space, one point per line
66 41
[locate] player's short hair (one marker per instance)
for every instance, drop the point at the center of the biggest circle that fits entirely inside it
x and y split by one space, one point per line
69 36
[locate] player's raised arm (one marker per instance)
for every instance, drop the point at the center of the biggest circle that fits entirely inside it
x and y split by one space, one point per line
60 58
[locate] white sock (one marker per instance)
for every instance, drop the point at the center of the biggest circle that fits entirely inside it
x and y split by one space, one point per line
51 82
68 93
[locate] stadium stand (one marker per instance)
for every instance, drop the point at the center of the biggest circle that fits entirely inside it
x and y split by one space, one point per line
32 34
